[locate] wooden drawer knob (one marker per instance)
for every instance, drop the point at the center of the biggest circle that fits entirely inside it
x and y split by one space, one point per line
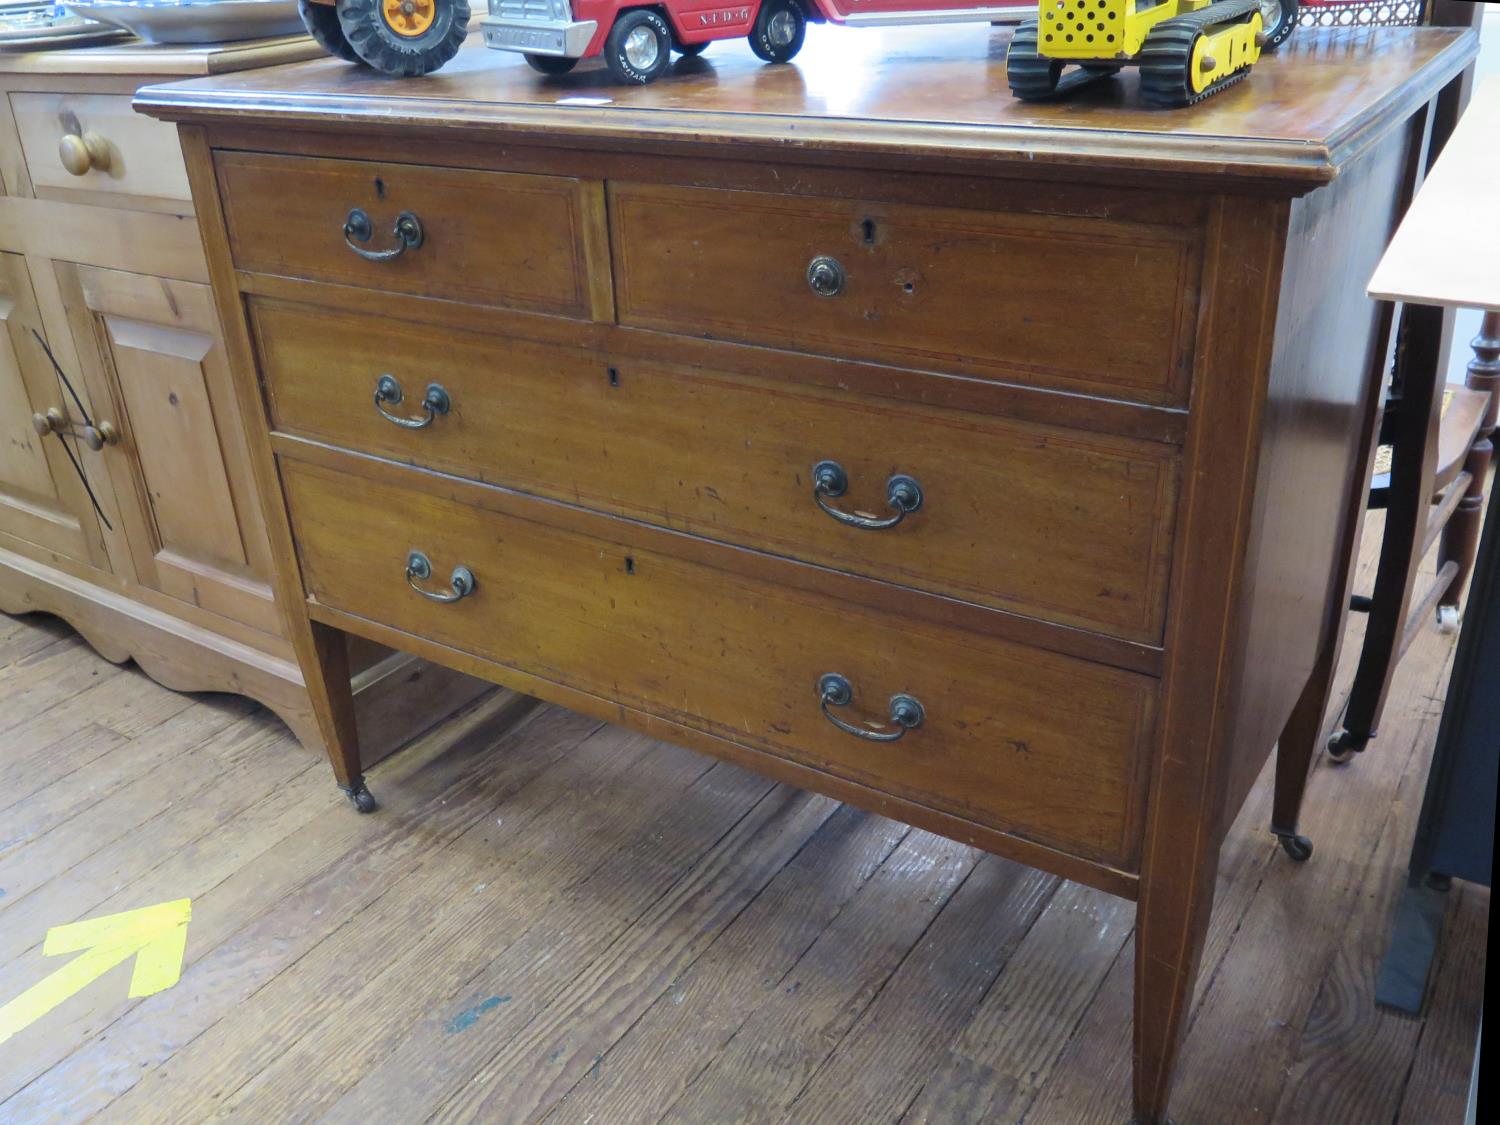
81 153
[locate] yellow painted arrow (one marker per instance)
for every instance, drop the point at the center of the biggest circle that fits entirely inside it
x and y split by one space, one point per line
156 936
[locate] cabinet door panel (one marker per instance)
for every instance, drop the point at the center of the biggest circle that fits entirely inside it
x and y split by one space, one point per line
195 528
42 499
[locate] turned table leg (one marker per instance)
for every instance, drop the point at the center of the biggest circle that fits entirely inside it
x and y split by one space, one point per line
1484 369
1460 540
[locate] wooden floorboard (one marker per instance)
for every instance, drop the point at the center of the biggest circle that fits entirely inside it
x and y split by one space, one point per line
553 919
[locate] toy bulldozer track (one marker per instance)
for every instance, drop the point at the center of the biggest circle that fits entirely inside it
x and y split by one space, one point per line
1186 49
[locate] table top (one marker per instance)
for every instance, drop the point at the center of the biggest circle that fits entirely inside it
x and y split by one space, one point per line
161 60
1447 249
911 91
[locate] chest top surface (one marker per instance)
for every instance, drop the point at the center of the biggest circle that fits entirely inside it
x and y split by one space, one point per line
936 91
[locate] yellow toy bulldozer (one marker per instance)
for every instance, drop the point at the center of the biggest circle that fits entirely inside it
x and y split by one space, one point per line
1185 49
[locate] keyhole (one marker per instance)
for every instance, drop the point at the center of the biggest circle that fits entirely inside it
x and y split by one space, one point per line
629 565
379 188
868 229
614 376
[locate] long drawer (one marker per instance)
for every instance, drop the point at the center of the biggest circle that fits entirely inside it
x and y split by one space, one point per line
1065 526
744 659
1098 305
490 238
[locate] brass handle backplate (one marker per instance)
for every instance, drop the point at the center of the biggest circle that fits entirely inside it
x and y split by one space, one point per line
358 228
902 493
461 582
436 401
825 276
905 712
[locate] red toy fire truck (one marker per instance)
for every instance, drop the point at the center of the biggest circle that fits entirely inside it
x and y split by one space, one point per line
637 37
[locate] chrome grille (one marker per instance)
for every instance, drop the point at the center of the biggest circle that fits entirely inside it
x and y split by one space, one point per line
525 10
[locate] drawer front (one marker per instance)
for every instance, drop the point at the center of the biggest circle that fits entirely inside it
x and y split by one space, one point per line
98 143
1089 304
1056 524
489 238
743 659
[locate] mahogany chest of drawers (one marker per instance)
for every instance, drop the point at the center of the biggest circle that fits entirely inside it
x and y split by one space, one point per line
990 466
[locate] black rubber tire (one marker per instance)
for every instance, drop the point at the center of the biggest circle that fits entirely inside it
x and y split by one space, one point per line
322 23
389 53
1031 76
550 64
1276 33
614 47
760 34
691 50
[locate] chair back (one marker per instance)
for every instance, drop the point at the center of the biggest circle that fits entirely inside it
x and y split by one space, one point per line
1363 13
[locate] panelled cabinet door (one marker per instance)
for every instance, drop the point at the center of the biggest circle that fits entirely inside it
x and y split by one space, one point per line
42 498
180 469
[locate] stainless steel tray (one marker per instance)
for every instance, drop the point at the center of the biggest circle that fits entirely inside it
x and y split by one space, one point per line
26 26
196 21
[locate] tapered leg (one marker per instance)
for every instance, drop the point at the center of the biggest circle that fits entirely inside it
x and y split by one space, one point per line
1171 925
1299 741
1303 734
327 676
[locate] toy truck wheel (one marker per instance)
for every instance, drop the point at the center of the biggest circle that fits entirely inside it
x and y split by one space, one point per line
1279 17
1031 76
780 27
322 23
550 64
639 47
405 37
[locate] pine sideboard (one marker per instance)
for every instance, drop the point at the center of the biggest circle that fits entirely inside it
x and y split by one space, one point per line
127 502
986 465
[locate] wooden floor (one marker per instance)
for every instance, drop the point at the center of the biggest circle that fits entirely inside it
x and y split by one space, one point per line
553 919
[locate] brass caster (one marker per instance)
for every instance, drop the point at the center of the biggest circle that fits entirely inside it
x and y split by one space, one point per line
1343 746
1298 848
359 796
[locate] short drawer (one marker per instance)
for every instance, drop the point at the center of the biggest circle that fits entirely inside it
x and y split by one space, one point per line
98 143
1091 304
744 659
489 238
1056 524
